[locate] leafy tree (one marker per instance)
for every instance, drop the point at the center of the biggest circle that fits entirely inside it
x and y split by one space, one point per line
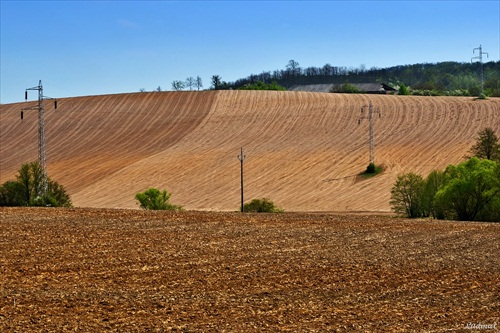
158 89
406 195
470 189
25 191
433 183
264 205
486 145
12 194
216 81
155 199
403 90
259 85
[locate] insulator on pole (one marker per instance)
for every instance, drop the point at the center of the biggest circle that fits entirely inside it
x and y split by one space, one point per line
26 95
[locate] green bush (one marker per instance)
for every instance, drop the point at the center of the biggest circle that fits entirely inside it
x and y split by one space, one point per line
469 191
403 90
259 85
264 205
371 168
346 88
406 195
26 189
154 199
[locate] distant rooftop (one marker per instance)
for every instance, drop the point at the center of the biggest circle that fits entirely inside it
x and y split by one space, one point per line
369 88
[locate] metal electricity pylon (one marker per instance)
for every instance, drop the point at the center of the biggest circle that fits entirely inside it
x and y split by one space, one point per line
242 157
480 57
370 119
42 149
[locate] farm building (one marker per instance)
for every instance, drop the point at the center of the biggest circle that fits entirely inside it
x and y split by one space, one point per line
367 88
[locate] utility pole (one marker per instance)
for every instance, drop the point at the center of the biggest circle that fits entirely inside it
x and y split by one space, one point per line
42 149
480 57
370 119
242 157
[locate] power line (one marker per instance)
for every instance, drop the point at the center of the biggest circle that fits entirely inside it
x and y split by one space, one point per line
42 148
371 134
480 57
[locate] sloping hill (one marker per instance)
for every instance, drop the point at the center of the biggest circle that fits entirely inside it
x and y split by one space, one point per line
303 150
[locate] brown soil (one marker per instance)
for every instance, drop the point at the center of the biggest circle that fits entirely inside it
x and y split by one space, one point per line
93 270
304 150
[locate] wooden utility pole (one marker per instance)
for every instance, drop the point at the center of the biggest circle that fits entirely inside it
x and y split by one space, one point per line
241 157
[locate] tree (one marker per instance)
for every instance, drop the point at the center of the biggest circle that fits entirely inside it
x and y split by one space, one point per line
406 195
469 189
198 83
177 85
293 68
486 145
190 82
433 183
216 81
158 89
264 205
155 199
12 194
259 85
403 90
27 189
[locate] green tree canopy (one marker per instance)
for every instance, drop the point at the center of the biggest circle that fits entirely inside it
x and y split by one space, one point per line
259 85
406 195
469 188
155 199
486 145
25 191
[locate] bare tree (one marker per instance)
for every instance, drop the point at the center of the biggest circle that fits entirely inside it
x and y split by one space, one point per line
198 83
178 85
190 82
293 68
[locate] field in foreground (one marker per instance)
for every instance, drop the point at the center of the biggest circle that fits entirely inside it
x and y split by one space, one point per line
136 271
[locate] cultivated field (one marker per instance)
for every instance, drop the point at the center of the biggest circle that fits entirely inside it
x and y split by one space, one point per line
94 270
303 150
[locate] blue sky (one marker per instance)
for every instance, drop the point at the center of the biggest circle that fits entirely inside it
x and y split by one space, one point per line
82 48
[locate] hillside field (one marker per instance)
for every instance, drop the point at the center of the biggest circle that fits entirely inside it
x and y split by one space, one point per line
303 150
105 270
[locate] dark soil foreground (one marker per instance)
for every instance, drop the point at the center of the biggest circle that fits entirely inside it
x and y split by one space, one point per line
83 270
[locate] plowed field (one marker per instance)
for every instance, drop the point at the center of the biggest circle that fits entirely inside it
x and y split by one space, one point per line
303 150
94 270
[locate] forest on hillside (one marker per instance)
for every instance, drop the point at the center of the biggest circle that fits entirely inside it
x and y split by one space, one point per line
456 77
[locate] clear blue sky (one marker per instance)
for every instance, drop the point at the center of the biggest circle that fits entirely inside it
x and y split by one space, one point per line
82 48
